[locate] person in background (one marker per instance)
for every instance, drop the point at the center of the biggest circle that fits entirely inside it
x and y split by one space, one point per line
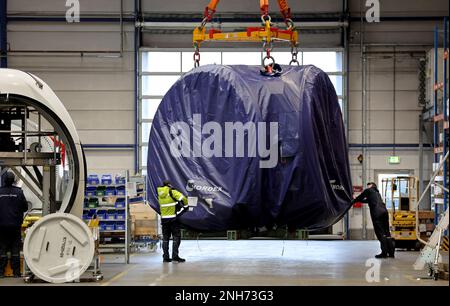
380 219
12 207
172 204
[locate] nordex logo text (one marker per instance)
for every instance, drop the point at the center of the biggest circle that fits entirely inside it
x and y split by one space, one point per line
226 140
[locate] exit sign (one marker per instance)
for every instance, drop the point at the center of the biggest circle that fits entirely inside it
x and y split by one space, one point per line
394 159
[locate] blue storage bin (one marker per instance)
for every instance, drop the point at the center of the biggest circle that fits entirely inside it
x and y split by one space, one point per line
107 226
93 179
120 203
110 215
102 226
120 190
101 214
110 191
119 226
106 179
120 180
120 215
137 199
91 191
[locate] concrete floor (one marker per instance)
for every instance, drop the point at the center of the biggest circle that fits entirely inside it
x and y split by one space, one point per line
261 262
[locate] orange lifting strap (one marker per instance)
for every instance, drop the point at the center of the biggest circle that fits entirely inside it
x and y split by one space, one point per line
210 9
264 5
284 9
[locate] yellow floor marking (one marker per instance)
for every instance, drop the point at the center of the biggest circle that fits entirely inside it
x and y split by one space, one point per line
118 276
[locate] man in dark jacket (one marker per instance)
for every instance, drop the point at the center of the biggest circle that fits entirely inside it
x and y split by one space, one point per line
380 219
12 207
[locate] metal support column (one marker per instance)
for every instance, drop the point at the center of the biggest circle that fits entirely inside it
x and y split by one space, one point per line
421 170
3 34
364 139
435 96
46 209
363 116
53 206
137 125
444 100
435 111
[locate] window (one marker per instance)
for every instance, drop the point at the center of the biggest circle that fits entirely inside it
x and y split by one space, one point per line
157 85
161 69
241 58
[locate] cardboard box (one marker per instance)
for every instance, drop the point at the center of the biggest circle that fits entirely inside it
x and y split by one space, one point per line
426 214
142 212
422 228
430 227
144 227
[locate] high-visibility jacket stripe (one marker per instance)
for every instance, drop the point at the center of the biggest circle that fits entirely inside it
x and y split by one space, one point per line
169 216
168 205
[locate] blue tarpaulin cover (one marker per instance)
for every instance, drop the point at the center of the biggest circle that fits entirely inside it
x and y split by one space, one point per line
309 185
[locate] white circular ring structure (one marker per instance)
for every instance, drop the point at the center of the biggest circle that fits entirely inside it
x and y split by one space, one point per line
59 248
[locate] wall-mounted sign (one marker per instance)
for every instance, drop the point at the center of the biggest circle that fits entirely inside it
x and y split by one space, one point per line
393 160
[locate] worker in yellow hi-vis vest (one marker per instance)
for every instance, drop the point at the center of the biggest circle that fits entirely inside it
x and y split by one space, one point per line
172 204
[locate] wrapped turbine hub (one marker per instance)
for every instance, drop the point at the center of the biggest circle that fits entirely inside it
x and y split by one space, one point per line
254 150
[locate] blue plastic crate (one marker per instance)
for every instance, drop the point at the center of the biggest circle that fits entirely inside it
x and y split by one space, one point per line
90 191
93 179
110 215
120 215
106 179
120 203
120 190
120 180
110 191
107 226
101 214
119 226
137 199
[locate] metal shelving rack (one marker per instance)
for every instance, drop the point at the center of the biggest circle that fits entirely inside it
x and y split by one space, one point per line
123 234
440 121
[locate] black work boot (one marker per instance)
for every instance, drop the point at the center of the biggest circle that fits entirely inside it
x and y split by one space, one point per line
167 259
382 255
391 248
17 274
178 259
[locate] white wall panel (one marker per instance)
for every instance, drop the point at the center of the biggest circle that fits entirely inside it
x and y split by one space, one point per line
86 6
109 161
111 120
72 62
87 81
106 137
238 6
97 100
